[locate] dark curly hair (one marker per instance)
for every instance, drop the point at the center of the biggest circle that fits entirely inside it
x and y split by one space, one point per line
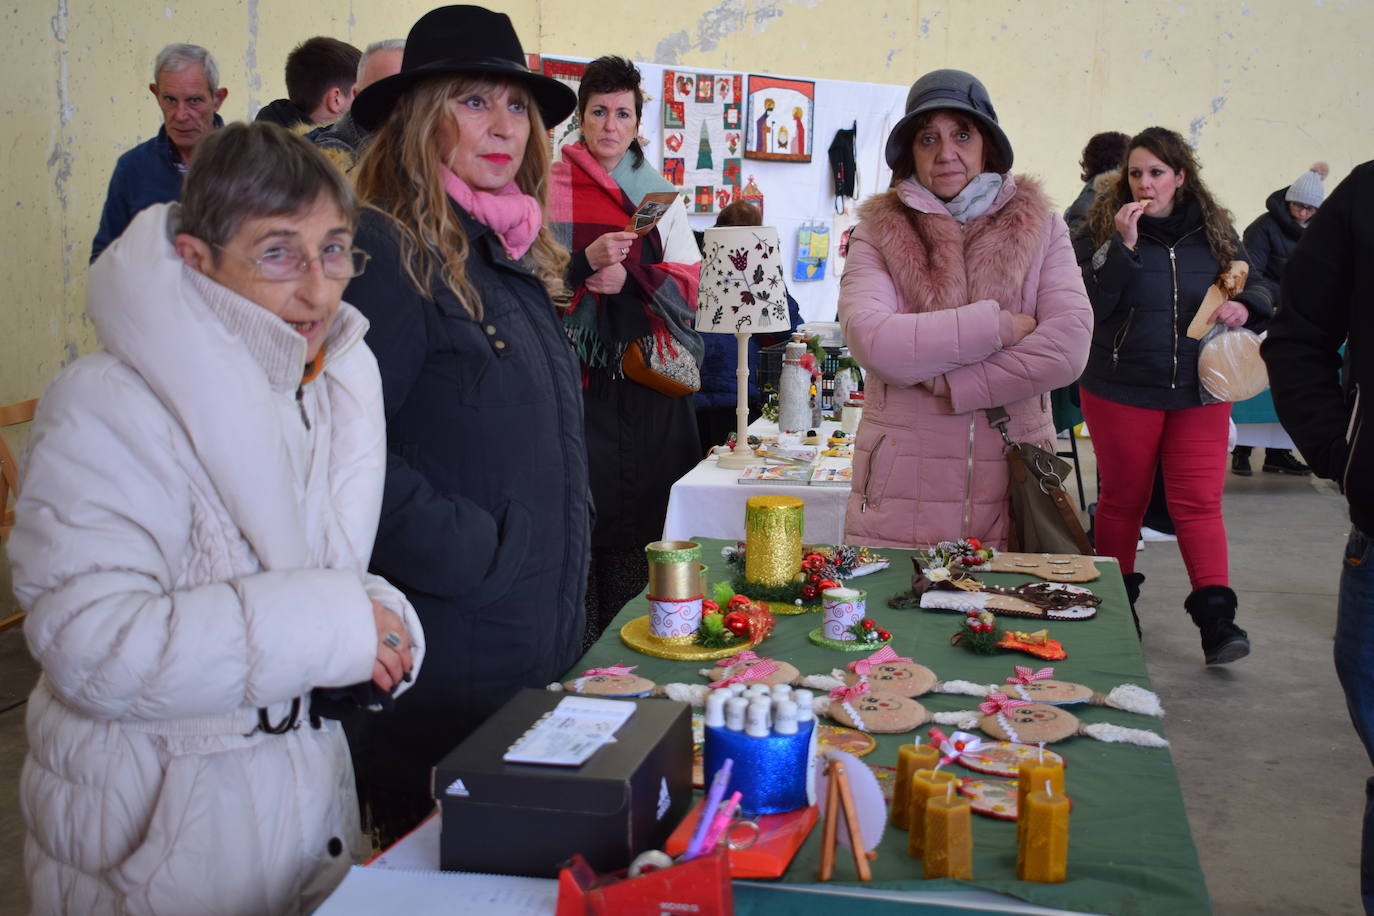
1103 153
1173 151
612 74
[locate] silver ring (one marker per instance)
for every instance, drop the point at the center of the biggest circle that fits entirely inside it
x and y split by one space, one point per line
751 834
624 251
392 639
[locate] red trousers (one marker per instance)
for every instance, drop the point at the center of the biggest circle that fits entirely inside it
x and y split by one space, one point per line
1190 447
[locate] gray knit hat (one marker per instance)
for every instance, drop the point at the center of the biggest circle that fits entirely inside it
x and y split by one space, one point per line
1308 189
947 89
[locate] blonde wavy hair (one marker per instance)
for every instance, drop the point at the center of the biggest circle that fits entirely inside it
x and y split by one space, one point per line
400 175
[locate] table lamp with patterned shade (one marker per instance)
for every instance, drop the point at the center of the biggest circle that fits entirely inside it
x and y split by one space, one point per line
742 293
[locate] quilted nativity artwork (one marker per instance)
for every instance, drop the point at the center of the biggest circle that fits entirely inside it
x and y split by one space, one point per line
703 136
779 119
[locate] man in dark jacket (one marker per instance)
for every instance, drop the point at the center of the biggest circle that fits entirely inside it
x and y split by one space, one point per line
320 74
186 86
1270 240
1326 304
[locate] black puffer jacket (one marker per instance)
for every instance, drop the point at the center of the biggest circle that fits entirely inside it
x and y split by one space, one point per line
1271 238
1325 304
1143 302
486 513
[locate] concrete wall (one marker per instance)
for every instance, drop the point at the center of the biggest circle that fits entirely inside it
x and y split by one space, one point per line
1263 88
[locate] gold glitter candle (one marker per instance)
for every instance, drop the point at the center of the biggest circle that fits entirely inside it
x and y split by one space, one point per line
772 539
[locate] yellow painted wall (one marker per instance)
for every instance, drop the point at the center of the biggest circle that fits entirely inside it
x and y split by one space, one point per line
1262 87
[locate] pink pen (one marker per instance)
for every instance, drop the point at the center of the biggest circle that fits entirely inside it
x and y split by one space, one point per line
721 822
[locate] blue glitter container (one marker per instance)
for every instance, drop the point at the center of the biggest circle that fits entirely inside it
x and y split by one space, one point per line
773 775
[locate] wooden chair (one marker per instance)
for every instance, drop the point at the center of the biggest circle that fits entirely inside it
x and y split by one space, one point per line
11 415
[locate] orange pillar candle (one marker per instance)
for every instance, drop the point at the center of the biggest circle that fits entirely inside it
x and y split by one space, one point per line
949 836
1031 775
1042 852
925 784
910 758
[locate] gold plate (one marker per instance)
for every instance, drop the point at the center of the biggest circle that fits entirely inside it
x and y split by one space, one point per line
637 636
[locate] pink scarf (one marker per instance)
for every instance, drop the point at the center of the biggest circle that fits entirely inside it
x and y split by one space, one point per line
511 213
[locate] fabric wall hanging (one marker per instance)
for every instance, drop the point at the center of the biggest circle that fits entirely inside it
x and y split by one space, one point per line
780 115
569 72
703 136
813 248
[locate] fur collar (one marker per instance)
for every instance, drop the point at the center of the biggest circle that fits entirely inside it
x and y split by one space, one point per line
936 264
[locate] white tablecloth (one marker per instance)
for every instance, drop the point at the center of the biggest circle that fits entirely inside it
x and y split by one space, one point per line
707 502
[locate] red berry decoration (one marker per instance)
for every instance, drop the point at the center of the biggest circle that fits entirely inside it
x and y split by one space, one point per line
975 543
809 591
828 583
738 601
737 623
868 623
709 607
884 635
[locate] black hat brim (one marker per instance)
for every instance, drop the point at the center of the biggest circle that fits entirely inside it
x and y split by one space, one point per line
374 104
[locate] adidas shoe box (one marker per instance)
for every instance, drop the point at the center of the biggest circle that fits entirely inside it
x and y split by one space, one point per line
524 819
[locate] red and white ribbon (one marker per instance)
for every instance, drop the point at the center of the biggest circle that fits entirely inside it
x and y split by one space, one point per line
957 745
745 656
754 672
1000 703
846 694
612 671
885 655
1025 676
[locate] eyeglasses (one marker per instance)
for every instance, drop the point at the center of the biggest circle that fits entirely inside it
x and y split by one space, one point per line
280 264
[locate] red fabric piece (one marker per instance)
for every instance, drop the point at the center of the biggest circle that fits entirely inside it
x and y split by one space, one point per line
1190 445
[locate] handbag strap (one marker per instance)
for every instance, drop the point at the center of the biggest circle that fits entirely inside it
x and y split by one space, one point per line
998 418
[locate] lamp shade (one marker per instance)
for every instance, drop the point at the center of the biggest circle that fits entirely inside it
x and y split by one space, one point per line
742 286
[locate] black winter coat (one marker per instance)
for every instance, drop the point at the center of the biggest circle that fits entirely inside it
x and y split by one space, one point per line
1143 302
1271 238
1326 290
486 513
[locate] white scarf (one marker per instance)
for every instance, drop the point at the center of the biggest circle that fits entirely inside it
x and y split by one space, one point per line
969 204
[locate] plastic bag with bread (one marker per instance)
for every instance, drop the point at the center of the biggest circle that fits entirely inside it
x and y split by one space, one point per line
1229 366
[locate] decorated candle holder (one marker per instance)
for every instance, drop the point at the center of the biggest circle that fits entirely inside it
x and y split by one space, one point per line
773 539
843 608
674 619
674 570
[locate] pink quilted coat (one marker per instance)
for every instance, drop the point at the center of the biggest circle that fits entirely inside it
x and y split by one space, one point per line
922 301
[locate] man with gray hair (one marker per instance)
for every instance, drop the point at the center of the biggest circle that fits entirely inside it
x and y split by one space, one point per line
343 140
186 86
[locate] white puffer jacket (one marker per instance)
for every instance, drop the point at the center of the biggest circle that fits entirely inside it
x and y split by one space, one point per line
190 551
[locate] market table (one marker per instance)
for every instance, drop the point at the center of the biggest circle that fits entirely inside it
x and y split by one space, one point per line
1131 850
708 501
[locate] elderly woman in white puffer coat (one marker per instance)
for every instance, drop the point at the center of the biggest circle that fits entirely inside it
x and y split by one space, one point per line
198 510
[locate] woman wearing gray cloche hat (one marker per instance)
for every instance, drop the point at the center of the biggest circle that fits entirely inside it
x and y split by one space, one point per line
1270 239
960 293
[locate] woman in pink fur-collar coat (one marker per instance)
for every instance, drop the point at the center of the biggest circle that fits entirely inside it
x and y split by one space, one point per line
960 293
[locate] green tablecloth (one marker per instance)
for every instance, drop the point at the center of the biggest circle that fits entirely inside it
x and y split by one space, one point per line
1130 847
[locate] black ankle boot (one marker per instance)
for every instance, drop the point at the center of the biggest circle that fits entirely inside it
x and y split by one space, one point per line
1133 583
1213 609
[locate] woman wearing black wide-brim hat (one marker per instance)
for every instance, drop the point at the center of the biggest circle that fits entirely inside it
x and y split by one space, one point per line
486 512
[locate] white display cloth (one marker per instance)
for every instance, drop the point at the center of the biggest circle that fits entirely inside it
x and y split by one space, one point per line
708 502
